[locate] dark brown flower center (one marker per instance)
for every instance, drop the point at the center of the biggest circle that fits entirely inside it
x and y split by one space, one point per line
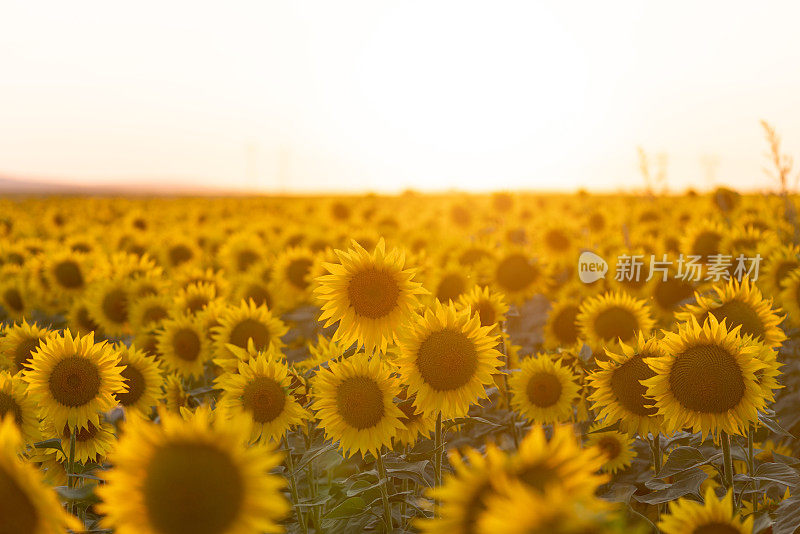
707 378
373 293
447 360
359 401
74 381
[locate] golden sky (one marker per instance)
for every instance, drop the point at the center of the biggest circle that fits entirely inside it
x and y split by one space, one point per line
380 95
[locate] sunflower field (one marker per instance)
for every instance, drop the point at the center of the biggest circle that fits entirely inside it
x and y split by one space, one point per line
499 363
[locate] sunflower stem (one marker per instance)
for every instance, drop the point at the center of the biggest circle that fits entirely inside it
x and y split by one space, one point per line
751 465
437 459
293 484
728 465
655 449
384 486
506 390
404 489
71 464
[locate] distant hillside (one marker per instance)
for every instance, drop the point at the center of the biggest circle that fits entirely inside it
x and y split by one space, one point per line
34 186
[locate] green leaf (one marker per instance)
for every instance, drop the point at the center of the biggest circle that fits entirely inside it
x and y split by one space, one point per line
54 443
686 483
317 501
773 425
415 471
466 420
617 492
681 459
82 494
787 516
776 472
313 453
351 507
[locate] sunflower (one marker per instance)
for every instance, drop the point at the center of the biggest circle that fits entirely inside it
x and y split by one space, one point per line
92 443
447 358
618 394
561 327
143 378
179 252
515 509
67 272
617 447
28 506
183 346
15 295
612 317
543 464
710 378
80 320
240 252
175 395
740 304
544 390
451 282
353 400
239 324
252 287
14 401
187 475
19 344
465 492
370 295
195 297
108 300
146 313
666 296
776 268
292 275
416 422
192 276
73 379
490 305
703 239
517 275
260 390
687 516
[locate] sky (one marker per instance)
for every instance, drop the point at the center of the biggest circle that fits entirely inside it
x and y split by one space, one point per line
308 96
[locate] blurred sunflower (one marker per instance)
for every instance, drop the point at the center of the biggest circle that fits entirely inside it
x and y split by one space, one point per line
19 343
617 448
370 295
292 275
354 402
451 282
260 390
73 379
464 494
27 506
740 304
447 358
194 297
175 395
108 300
143 377
183 346
561 327
490 305
146 313
245 322
613 317
187 475
709 378
687 516
15 295
515 509
543 464
67 272
619 395
544 390
80 320
14 402
518 275
703 239
776 268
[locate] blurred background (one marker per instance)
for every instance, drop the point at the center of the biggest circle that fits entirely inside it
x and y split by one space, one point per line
302 97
